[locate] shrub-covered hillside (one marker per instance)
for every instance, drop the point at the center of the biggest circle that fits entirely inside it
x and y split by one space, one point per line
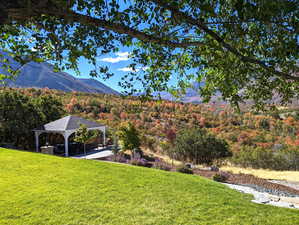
42 189
158 122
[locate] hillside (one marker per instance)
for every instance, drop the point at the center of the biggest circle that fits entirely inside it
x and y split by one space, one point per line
155 120
41 75
42 189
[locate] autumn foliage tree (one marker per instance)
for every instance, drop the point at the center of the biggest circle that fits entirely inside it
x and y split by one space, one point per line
242 49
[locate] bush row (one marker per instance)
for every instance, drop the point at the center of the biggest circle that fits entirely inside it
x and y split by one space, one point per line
284 159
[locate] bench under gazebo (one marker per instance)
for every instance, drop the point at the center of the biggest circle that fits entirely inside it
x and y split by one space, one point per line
66 126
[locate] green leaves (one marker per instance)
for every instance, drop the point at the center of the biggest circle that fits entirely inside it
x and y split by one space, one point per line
83 135
21 113
238 48
128 137
198 146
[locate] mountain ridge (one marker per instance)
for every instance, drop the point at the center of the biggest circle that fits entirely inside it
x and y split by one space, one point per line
41 75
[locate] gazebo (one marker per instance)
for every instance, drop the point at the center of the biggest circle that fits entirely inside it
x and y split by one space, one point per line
67 126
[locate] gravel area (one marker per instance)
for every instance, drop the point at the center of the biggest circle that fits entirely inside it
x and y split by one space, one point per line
265 198
259 184
272 191
291 184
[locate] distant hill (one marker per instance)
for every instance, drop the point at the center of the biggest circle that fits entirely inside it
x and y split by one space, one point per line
41 75
98 85
191 96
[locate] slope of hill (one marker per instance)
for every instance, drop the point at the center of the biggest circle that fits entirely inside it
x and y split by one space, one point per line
98 85
42 189
191 96
41 75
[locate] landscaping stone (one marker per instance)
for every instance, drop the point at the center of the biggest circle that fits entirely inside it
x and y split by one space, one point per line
265 198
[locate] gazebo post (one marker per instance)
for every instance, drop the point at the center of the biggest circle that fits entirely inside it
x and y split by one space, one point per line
66 144
36 141
104 136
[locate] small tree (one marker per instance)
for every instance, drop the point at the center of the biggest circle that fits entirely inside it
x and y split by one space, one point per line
83 135
171 136
198 146
114 149
128 137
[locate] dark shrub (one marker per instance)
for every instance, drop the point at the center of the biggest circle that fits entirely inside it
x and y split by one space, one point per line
184 169
161 166
121 158
214 168
149 158
140 162
265 124
220 177
198 146
20 114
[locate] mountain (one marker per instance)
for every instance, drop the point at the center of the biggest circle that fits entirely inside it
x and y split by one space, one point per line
191 96
98 85
41 75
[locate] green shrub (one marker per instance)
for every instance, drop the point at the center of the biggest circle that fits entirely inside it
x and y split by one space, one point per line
220 177
161 166
264 124
285 159
140 162
198 146
128 137
184 169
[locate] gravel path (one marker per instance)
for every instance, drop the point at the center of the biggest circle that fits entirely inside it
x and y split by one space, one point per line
265 198
95 155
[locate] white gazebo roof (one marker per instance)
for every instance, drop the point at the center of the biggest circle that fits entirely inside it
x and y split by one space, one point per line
68 123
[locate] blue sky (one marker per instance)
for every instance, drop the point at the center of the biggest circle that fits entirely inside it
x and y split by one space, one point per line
117 62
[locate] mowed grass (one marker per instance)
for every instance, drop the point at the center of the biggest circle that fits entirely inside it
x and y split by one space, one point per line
41 189
266 174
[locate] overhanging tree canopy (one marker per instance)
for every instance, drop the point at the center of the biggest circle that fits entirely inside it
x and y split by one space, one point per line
244 49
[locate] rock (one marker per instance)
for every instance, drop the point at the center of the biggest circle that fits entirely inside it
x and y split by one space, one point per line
214 168
262 199
274 198
188 165
283 204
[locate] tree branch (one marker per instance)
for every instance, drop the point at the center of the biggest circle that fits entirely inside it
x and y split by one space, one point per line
20 14
200 24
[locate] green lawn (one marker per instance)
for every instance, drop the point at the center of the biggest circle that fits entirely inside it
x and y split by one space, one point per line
41 189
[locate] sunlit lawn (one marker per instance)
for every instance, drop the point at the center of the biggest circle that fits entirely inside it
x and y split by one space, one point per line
41 189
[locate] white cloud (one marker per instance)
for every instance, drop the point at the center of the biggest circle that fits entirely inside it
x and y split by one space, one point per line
120 56
129 69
